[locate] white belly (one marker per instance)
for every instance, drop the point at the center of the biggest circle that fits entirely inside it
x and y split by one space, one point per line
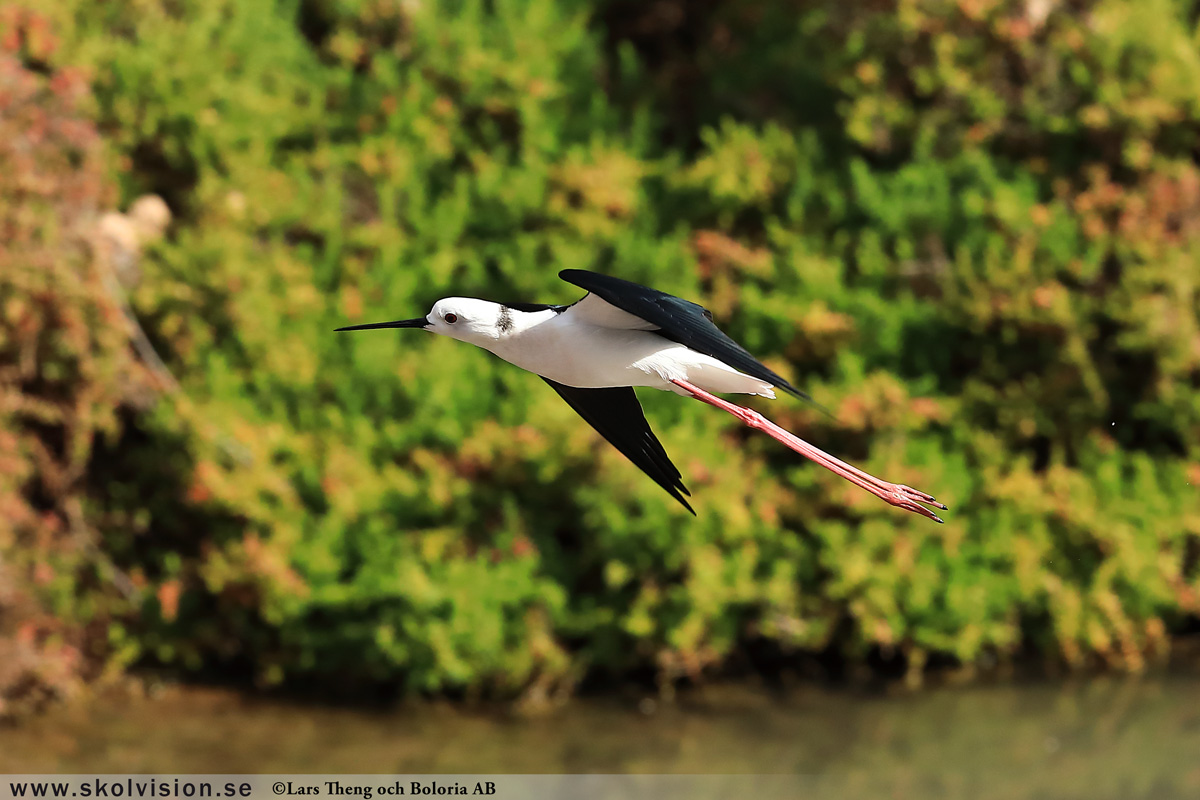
590 357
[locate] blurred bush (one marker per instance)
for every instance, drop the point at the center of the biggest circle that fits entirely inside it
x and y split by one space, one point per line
66 372
968 228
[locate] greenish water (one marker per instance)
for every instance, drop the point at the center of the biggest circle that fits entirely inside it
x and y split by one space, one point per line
1109 737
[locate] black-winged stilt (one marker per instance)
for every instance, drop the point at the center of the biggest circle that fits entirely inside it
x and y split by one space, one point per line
621 335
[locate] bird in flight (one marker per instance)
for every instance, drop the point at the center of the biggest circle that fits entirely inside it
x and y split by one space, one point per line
620 335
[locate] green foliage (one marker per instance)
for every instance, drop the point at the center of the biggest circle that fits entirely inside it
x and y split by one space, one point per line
65 371
968 229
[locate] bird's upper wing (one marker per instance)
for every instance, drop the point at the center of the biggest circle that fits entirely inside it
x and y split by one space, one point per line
534 307
593 310
617 415
677 319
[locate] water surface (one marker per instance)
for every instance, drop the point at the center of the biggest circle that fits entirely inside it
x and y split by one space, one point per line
1108 737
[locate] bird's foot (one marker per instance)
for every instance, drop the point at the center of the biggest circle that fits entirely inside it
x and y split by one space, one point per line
909 499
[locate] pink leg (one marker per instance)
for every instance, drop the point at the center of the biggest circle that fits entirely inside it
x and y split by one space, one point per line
900 496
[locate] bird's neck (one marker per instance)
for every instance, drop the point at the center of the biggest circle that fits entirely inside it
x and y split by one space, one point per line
512 325
513 330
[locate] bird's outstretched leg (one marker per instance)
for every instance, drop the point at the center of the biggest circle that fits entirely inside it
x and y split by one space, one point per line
900 496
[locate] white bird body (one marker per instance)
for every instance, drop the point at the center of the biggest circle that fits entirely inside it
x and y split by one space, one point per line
580 347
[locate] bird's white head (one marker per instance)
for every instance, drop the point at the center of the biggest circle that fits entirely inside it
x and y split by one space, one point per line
479 322
469 320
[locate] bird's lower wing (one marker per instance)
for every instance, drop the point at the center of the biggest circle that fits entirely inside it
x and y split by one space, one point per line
617 415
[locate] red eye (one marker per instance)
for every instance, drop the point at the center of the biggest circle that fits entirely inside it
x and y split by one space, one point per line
452 318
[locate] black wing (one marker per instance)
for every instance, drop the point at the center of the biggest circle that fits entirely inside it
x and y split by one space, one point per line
618 417
679 320
535 307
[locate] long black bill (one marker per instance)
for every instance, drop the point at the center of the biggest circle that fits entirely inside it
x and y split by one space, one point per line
419 322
